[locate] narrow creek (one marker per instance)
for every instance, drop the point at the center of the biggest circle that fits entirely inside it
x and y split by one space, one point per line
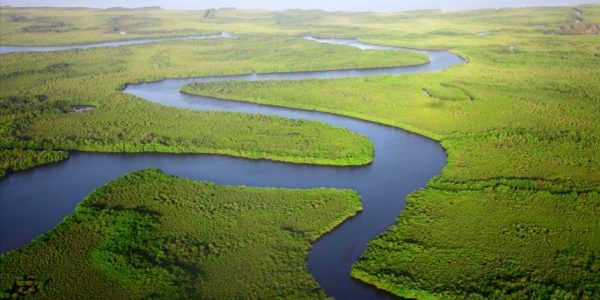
403 163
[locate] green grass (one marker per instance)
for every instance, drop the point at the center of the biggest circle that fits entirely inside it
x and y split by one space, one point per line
514 213
448 91
71 26
18 159
28 26
152 235
491 243
40 88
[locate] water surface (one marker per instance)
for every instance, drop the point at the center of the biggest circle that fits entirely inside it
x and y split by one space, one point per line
9 49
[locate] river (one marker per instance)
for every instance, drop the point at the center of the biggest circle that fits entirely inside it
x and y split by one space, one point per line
36 200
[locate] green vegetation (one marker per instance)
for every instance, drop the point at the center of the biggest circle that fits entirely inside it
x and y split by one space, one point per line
514 212
39 90
18 159
493 243
15 115
28 26
448 91
151 235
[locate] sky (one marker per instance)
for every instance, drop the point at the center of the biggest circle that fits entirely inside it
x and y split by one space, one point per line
345 5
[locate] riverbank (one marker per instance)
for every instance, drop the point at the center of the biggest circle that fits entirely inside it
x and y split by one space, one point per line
400 155
519 122
123 124
151 234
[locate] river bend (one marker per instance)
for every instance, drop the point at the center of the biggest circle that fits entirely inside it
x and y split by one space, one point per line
34 201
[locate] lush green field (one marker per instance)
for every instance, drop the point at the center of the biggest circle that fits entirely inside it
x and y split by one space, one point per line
152 235
19 159
28 26
43 26
513 215
515 211
498 242
39 90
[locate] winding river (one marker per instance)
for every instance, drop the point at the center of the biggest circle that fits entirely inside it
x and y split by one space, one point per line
34 201
9 49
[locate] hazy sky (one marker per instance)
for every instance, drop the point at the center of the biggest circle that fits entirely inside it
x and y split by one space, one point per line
347 5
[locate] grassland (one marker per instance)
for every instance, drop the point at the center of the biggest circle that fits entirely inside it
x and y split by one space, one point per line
513 215
152 235
28 26
39 90
19 159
